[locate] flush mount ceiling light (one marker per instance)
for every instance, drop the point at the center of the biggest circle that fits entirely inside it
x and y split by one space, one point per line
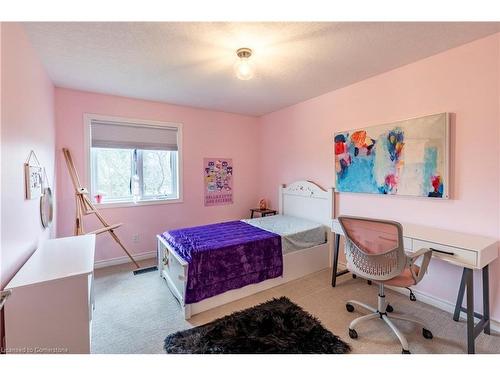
244 67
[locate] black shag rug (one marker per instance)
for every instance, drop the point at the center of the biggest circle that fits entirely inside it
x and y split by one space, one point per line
276 326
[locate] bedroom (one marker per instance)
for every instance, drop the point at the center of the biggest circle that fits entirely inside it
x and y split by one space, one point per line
181 132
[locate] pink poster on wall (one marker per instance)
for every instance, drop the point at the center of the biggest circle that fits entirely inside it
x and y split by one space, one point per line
218 174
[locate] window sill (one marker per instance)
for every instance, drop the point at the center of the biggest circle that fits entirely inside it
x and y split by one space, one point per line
138 204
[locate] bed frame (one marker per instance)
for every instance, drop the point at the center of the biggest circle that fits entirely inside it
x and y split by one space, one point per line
302 199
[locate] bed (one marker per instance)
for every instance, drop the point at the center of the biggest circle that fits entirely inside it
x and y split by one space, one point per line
208 266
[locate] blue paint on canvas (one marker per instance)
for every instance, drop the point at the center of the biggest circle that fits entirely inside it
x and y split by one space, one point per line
400 158
359 176
430 164
356 174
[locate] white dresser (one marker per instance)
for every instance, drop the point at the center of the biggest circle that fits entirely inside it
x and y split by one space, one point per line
50 308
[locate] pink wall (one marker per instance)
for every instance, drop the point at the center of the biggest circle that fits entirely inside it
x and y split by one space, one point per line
205 134
27 124
297 144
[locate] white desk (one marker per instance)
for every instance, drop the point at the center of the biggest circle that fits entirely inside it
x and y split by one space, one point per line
50 308
460 249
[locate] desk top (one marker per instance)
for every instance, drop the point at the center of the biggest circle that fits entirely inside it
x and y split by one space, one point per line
447 237
56 259
442 236
463 249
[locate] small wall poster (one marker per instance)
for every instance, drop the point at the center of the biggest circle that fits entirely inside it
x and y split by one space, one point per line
218 175
33 177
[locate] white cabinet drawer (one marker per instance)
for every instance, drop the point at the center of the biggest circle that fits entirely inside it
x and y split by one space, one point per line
449 253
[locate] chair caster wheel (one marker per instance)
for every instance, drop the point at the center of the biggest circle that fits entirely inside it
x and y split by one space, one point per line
405 351
353 334
427 334
389 309
349 307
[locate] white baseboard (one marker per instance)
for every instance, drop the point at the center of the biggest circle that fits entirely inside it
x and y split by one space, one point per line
124 259
437 302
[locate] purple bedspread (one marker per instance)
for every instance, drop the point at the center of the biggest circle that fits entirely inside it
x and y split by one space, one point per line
226 256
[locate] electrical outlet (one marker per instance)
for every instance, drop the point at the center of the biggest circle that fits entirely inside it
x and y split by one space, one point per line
136 238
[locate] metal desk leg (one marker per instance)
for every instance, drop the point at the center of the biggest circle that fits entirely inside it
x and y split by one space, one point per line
470 310
473 330
486 300
335 274
460 297
335 259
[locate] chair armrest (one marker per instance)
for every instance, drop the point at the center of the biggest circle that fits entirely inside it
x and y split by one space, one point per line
427 254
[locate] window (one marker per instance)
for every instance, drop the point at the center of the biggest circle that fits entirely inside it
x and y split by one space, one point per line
134 162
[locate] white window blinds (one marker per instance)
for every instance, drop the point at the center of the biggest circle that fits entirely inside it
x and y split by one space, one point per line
106 134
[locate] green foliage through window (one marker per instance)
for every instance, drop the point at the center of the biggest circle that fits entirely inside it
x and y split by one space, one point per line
114 170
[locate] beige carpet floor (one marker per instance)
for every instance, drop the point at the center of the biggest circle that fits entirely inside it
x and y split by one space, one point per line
133 314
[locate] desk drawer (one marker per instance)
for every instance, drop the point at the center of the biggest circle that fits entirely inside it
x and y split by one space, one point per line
449 253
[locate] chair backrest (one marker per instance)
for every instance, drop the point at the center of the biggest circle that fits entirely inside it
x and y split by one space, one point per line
374 248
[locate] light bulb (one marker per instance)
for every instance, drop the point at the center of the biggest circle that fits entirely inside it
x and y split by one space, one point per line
243 67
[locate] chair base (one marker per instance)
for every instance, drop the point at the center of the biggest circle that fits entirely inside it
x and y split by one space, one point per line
384 312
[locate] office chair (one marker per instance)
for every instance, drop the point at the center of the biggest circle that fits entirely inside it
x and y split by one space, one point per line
374 251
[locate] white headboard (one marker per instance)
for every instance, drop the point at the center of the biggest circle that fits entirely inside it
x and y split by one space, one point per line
307 200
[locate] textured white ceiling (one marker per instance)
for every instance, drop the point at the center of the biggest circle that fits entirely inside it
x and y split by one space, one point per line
192 63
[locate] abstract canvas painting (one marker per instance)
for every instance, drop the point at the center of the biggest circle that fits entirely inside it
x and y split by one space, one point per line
407 157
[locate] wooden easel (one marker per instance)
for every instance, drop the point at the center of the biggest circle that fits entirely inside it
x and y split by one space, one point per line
84 206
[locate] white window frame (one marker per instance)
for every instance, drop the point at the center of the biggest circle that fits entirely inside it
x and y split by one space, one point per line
87 121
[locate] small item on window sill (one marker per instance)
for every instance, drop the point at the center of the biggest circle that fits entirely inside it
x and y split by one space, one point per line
263 204
98 198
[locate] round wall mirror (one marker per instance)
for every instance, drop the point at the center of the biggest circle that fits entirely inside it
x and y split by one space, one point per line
46 207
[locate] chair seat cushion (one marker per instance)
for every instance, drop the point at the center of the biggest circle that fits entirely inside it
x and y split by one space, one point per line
404 279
